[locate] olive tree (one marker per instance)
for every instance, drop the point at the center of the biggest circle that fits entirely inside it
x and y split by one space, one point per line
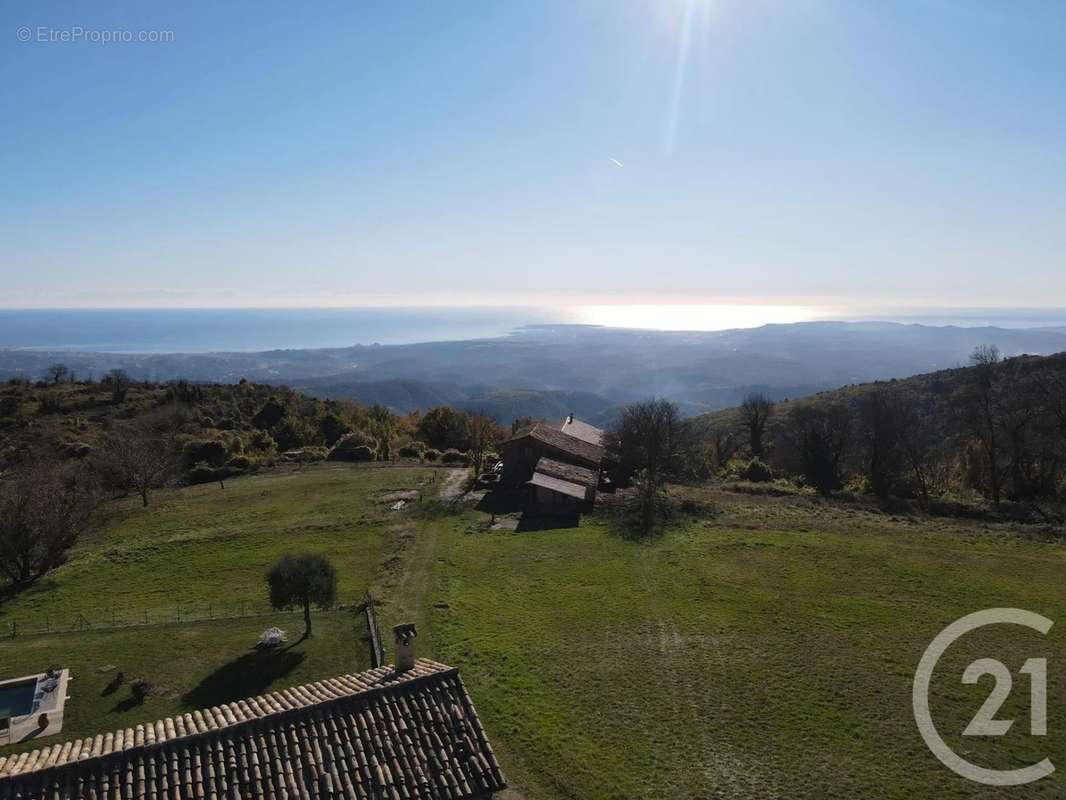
300 579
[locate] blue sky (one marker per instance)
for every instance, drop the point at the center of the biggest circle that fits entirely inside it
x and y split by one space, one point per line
655 151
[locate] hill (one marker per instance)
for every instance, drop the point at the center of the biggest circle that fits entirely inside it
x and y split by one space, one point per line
702 371
997 428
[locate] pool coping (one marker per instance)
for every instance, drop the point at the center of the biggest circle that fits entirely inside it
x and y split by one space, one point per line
27 726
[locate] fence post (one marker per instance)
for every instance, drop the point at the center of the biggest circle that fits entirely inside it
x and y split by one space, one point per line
146 616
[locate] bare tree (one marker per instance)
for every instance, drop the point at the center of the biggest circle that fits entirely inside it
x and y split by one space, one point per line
484 434
724 444
880 423
755 411
119 382
42 513
983 412
58 372
915 447
649 441
821 436
141 456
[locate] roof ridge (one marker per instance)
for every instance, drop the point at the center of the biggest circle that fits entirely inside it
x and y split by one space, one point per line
59 755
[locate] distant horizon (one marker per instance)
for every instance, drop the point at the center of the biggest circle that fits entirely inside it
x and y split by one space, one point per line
191 330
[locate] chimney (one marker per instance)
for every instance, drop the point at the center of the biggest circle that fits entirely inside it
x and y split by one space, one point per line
405 646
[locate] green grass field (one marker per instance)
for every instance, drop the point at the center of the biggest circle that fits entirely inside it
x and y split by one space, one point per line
763 650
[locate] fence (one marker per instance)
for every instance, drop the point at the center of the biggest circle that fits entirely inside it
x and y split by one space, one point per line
109 619
377 652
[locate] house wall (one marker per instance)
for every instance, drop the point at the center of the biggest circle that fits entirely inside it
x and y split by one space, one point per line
553 502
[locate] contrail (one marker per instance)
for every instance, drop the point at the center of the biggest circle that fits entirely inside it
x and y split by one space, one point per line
615 161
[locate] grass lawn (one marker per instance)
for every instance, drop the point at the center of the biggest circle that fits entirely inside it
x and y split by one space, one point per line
764 649
193 665
195 547
734 658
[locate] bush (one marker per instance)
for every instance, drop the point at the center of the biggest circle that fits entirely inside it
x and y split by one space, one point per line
262 442
205 473
241 463
457 457
756 471
207 451
431 454
355 446
77 449
305 455
141 689
407 451
733 468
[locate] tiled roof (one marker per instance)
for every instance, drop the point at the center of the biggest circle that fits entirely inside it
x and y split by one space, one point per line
550 435
567 472
582 430
558 485
375 734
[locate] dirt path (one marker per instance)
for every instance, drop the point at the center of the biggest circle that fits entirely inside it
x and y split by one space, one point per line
453 484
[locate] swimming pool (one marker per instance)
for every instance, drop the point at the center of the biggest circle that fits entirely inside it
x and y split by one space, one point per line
16 699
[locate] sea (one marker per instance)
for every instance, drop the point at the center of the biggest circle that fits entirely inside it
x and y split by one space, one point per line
252 330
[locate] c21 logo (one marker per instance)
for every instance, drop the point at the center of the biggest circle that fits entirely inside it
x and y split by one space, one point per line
984 722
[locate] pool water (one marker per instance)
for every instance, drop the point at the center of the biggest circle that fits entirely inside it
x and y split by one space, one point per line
16 699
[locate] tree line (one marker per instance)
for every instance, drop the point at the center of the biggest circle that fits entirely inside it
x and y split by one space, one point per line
995 430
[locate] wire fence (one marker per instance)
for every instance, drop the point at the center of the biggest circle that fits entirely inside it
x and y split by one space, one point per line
109 619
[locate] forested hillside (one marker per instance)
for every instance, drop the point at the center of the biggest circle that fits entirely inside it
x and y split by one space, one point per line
995 429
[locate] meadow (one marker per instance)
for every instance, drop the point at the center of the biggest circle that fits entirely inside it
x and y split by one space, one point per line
759 647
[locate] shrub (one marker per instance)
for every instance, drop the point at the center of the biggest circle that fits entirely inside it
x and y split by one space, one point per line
262 442
355 446
207 451
431 454
240 462
409 451
141 689
77 449
757 471
9 405
452 456
292 433
205 473
305 455
733 468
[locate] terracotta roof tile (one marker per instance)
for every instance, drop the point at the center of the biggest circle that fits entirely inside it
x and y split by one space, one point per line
550 435
376 734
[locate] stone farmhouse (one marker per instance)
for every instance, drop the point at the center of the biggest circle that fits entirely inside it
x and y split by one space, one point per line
560 463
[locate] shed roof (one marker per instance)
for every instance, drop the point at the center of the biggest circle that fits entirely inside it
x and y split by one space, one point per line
566 472
373 734
558 485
